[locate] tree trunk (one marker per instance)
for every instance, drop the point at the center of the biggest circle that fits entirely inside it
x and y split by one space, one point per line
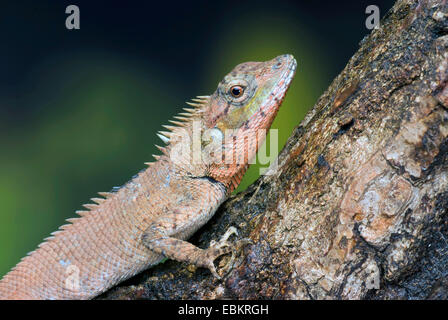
357 208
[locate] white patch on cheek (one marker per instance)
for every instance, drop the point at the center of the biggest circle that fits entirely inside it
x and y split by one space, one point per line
216 135
211 151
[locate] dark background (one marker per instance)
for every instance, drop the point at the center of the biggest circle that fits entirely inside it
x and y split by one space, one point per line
79 109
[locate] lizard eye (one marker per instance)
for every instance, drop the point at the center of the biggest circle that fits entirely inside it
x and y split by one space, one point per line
236 91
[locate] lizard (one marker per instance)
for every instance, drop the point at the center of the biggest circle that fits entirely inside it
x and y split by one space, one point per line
207 151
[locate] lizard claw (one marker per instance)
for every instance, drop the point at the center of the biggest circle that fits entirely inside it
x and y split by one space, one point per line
243 242
225 237
215 251
222 247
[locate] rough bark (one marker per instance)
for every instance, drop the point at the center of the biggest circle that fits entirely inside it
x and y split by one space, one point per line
358 206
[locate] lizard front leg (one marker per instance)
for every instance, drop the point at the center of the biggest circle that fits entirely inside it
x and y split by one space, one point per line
157 238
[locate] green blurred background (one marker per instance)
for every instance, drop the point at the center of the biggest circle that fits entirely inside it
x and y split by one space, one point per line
79 109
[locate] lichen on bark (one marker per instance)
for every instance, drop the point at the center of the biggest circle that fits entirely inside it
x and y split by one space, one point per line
357 208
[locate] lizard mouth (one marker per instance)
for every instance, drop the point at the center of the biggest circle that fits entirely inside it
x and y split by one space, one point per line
281 86
286 77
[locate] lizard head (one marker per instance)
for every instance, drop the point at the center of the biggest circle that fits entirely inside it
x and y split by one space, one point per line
230 125
251 92
240 111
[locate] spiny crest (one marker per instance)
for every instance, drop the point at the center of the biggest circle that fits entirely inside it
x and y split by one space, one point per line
162 149
105 195
181 120
98 200
81 213
91 206
184 117
71 221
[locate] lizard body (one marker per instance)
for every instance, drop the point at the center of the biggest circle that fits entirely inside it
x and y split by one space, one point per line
149 218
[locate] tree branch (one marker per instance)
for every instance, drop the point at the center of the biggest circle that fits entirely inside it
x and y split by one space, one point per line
358 206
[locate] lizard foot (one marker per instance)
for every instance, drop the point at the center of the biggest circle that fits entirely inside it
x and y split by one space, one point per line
217 249
213 253
222 247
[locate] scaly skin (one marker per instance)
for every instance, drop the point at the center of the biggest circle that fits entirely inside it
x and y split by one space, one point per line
150 217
